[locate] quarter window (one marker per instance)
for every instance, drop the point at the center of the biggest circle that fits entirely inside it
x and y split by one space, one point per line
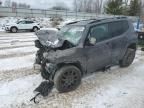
29 22
118 28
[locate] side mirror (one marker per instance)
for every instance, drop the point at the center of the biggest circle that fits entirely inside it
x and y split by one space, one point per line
92 41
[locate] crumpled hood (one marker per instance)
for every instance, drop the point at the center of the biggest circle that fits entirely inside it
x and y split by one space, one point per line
49 38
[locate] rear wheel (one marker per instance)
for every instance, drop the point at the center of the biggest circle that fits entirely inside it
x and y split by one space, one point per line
128 58
67 78
14 29
35 29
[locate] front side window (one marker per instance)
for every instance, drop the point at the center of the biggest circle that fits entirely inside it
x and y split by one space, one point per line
98 33
29 22
21 22
71 33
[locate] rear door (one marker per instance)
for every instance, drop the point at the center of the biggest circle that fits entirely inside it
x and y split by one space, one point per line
118 31
22 25
29 24
97 48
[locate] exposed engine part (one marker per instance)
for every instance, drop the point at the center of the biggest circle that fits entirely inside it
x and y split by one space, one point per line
43 89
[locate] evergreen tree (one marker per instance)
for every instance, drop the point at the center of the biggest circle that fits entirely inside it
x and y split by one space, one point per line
114 7
135 8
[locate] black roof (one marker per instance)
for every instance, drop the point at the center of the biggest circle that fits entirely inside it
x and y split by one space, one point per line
90 21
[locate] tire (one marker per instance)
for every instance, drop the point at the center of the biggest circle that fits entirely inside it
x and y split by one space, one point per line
128 58
35 29
14 30
67 78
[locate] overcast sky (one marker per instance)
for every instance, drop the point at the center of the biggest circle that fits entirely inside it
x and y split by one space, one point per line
44 4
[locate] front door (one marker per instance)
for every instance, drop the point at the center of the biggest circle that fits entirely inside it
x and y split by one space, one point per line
97 48
22 25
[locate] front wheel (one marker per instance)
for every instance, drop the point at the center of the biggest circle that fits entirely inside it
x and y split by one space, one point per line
67 78
14 29
128 58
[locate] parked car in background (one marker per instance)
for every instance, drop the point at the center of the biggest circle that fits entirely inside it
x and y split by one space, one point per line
22 25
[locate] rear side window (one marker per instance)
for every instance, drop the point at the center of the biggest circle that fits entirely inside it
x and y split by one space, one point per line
29 22
118 28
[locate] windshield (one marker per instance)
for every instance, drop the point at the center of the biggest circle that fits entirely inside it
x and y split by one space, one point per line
71 33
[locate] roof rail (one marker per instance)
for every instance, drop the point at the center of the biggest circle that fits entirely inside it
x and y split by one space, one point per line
121 17
72 22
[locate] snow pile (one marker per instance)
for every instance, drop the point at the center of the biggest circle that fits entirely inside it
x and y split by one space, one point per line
5 20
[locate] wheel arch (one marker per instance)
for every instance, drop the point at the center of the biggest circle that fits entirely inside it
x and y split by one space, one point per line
76 64
34 27
132 46
14 27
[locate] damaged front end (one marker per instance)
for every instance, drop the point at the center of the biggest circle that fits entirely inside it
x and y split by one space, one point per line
49 45
55 50
49 48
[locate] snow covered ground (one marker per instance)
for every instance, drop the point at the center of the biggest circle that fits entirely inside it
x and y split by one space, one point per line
116 88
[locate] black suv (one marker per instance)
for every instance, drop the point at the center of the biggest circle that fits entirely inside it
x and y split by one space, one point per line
83 47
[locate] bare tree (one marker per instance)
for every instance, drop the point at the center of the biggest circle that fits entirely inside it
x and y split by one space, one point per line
7 3
0 3
98 5
88 5
14 4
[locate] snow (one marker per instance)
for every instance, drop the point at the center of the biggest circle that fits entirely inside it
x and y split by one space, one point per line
16 62
54 29
18 50
17 91
116 88
1 29
17 40
118 94
16 44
